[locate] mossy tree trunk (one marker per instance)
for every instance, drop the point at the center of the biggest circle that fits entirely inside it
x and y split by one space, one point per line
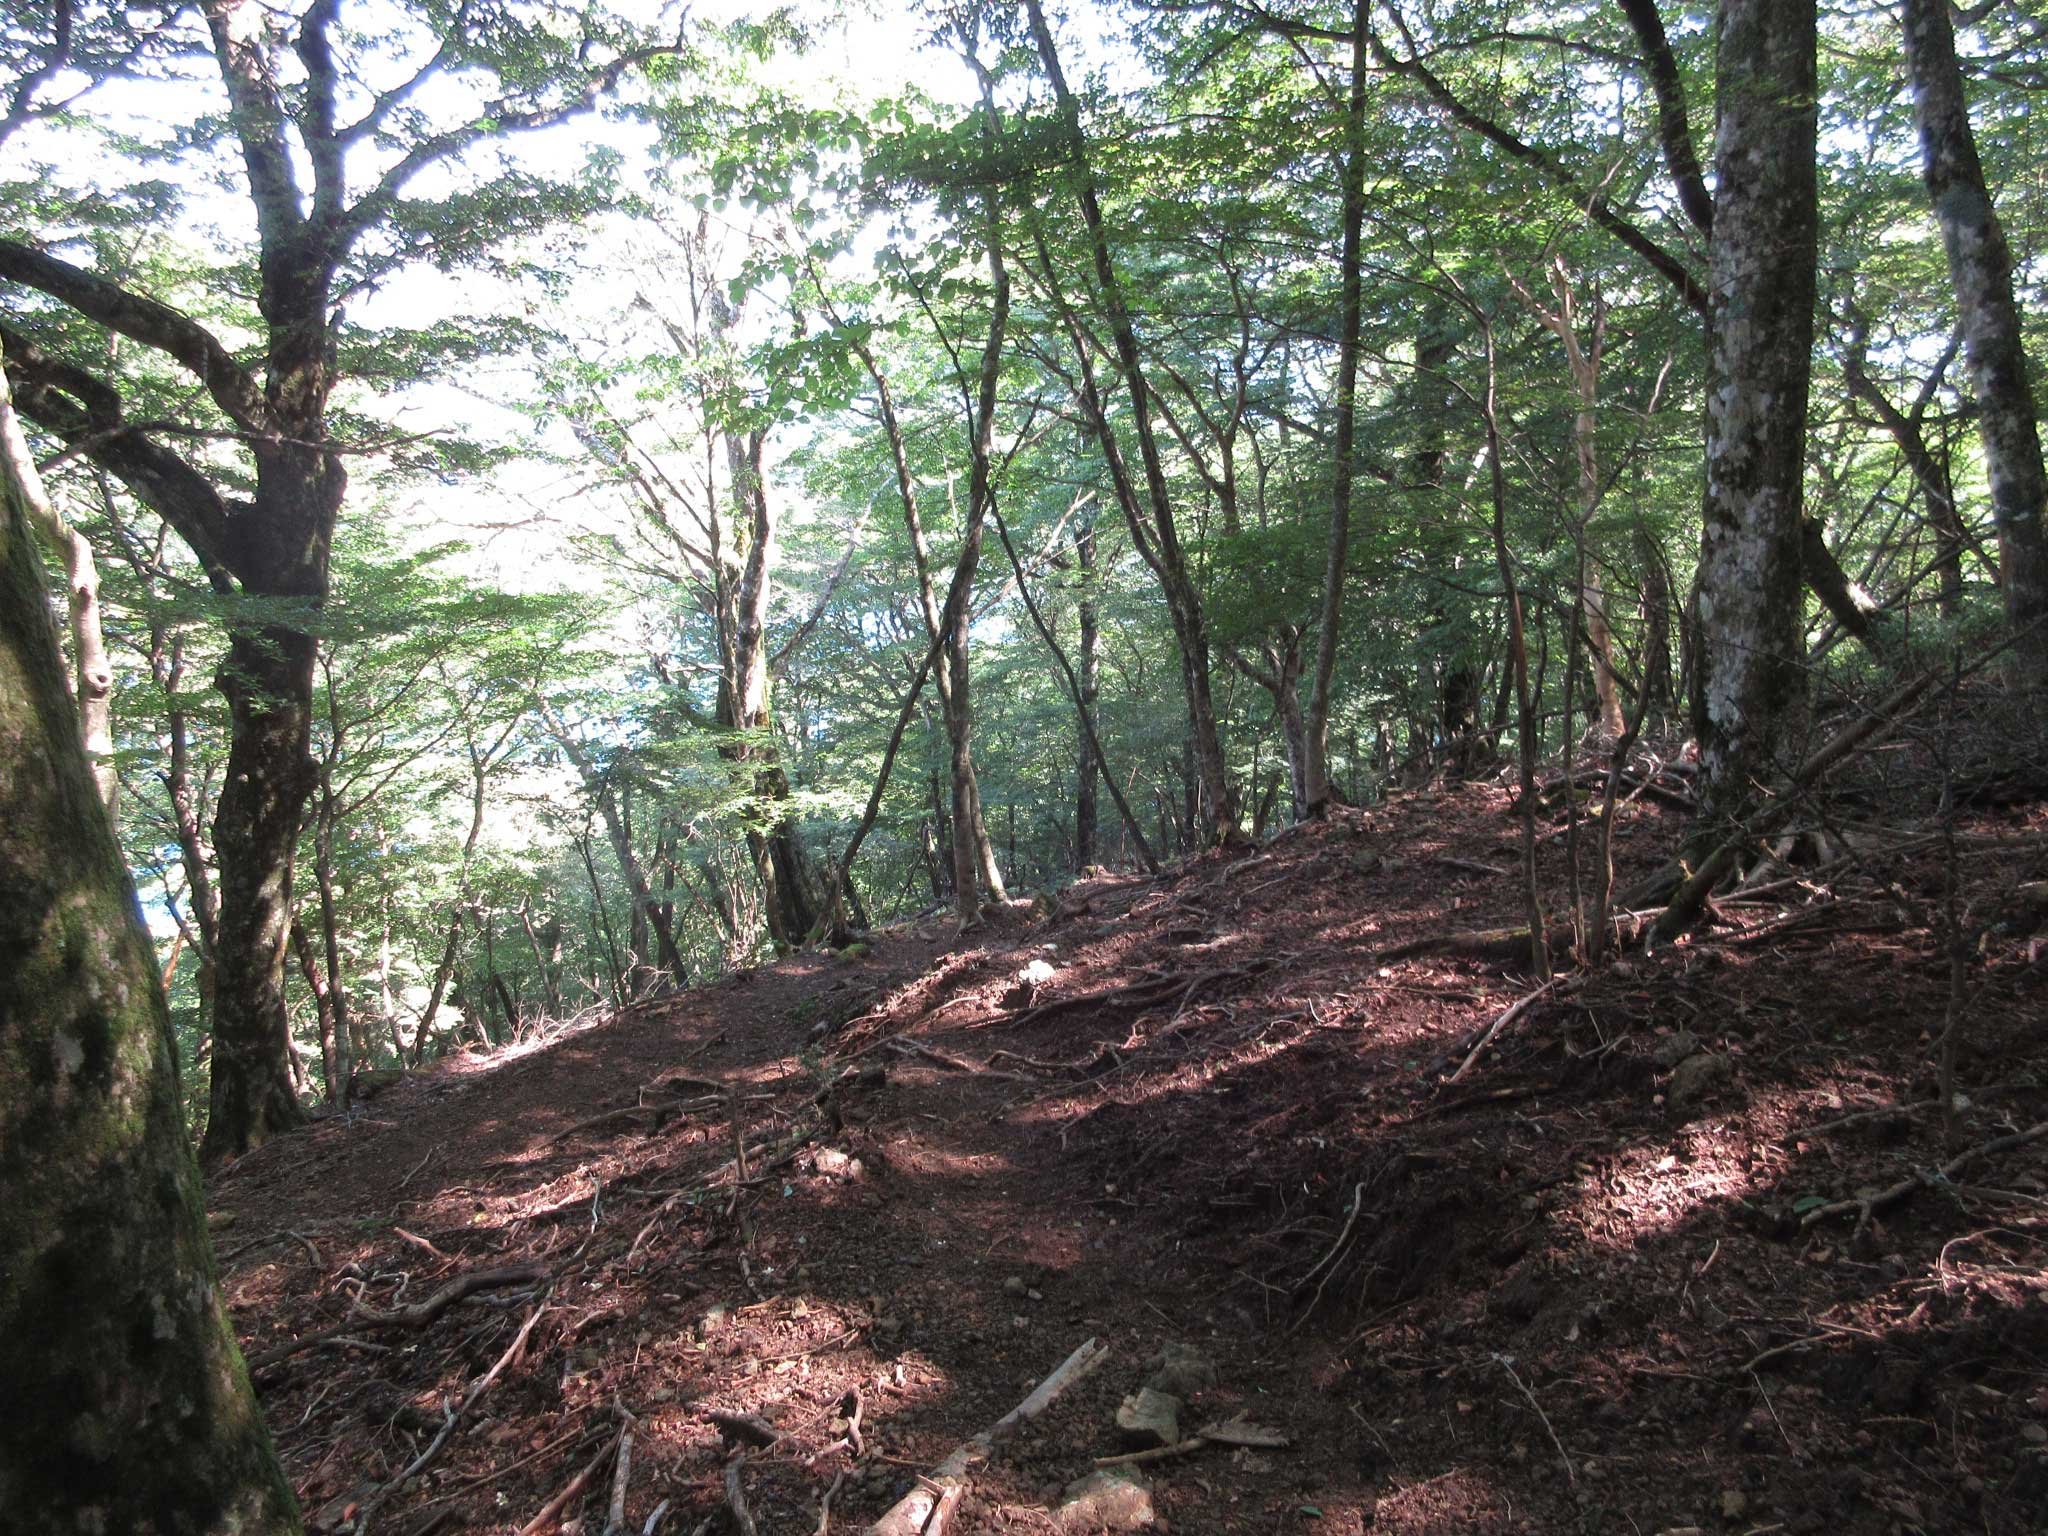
128 1405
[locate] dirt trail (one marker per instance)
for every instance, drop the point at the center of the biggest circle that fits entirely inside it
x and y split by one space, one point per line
1582 1288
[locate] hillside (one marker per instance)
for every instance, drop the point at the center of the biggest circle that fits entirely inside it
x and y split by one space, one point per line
1612 1277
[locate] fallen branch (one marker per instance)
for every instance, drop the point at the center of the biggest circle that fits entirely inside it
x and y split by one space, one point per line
1514 1011
450 1420
925 1510
1571 1474
418 1315
622 1474
1880 1112
736 1498
1234 1431
551 1512
1868 1205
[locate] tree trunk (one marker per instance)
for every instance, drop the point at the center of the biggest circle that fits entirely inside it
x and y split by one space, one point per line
1162 549
129 1409
92 683
1085 804
268 680
1314 797
1760 354
1980 270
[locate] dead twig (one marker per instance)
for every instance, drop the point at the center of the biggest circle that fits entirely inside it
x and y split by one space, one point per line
825 1504
1571 1473
1866 1206
450 1419
925 1510
418 1315
736 1498
551 1511
1521 1005
622 1474
1879 1112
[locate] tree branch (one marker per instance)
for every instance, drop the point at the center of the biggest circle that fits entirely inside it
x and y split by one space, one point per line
153 324
1674 128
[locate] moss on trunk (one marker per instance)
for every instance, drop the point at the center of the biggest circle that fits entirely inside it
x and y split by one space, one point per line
129 1409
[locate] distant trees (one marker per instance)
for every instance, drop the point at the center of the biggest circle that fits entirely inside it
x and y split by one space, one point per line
325 161
1313 408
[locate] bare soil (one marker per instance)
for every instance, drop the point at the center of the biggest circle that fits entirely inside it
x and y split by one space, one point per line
1587 1286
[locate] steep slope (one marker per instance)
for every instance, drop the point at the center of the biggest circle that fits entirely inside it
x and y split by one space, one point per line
1598 1281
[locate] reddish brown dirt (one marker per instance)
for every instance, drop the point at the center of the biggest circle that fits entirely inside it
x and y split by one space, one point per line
1536 1299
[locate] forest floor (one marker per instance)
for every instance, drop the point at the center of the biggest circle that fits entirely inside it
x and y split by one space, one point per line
1615 1277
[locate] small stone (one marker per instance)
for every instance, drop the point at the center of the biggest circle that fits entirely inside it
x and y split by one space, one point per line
1113 1499
1014 1285
1149 1418
1734 1504
830 1160
1697 1079
2035 1434
1181 1372
1674 1048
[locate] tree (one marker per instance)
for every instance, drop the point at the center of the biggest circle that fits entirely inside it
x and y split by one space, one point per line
1981 270
129 1407
288 82
1759 361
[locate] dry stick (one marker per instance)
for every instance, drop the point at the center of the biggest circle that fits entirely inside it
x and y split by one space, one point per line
418 1315
1690 898
1868 1205
1116 793
1878 1112
1343 1237
736 1497
1514 1011
825 1504
454 1417
925 1510
1571 1475
622 1474
552 1510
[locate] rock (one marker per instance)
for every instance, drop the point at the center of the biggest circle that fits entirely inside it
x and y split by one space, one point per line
1734 1504
830 1160
1674 1048
2035 1434
1149 1418
1181 1372
1113 1499
1025 988
1014 1285
1696 1080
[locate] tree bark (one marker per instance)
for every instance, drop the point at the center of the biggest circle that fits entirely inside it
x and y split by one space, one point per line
1980 270
1760 351
1315 743
129 1408
1089 764
92 682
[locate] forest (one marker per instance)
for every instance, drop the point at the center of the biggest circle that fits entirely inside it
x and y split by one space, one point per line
529 519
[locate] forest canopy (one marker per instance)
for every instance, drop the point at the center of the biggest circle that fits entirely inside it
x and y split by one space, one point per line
559 504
